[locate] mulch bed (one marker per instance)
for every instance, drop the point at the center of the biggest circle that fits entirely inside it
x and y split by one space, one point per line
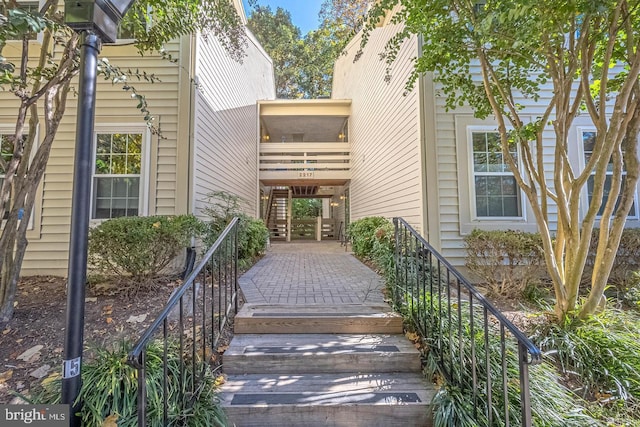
111 316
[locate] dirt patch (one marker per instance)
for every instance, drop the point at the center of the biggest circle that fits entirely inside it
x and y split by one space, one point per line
39 322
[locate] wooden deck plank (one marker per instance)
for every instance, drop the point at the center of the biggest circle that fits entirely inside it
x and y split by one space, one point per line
281 353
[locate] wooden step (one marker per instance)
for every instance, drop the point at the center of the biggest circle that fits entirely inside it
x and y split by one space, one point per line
316 353
317 319
314 400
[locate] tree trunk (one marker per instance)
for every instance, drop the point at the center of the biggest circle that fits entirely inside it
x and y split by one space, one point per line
23 185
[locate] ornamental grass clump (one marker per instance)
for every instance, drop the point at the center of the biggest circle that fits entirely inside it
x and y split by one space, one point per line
110 386
601 354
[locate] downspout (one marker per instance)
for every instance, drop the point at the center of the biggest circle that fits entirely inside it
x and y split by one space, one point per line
429 155
153 187
190 139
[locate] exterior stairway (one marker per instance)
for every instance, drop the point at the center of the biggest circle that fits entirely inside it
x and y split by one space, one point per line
317 365
276 220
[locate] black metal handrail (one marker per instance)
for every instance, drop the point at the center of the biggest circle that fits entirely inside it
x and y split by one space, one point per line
467 335
190 325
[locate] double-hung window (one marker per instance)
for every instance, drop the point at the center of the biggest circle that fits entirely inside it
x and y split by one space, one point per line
588 143
118 175
496 193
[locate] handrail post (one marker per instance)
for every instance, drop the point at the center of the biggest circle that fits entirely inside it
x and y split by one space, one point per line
142 390
525 394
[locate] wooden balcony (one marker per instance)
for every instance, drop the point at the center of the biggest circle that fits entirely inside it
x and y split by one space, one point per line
305 161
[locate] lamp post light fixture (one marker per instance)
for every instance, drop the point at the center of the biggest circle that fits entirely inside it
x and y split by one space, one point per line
100 17
97 21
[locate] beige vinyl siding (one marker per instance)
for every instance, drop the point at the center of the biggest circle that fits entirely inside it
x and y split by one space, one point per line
47 252
226 121
384 130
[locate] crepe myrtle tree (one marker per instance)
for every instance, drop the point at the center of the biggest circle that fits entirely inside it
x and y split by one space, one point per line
40 75
588 52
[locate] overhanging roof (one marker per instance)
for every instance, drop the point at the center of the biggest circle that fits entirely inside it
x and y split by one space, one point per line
313 120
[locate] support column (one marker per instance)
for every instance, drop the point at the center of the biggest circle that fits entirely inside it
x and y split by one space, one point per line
289 214
319 229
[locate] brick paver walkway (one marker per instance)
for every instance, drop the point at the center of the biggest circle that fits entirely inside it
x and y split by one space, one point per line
311 273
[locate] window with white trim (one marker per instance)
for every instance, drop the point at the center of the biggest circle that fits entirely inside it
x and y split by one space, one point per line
495 191
117 177
588 142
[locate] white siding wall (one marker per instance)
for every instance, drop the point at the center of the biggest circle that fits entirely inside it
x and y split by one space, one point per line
386 174
226 138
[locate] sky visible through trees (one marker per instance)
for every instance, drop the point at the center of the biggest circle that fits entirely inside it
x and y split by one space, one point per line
303 63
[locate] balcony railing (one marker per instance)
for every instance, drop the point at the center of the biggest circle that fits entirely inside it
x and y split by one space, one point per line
305 160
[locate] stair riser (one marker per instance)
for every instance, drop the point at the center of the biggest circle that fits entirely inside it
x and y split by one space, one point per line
336 416
297 363
323 325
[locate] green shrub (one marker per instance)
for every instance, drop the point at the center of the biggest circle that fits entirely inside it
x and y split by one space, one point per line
363 234
139 248
602 353
252 233
383 252
252 237
505 260
626 265
631 297
110 385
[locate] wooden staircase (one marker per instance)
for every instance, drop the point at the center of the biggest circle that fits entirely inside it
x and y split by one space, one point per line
312 365
277 211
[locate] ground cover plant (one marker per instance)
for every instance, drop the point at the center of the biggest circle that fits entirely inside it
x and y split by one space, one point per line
110 385
601 354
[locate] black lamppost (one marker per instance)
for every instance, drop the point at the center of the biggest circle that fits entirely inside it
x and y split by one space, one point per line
97 21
